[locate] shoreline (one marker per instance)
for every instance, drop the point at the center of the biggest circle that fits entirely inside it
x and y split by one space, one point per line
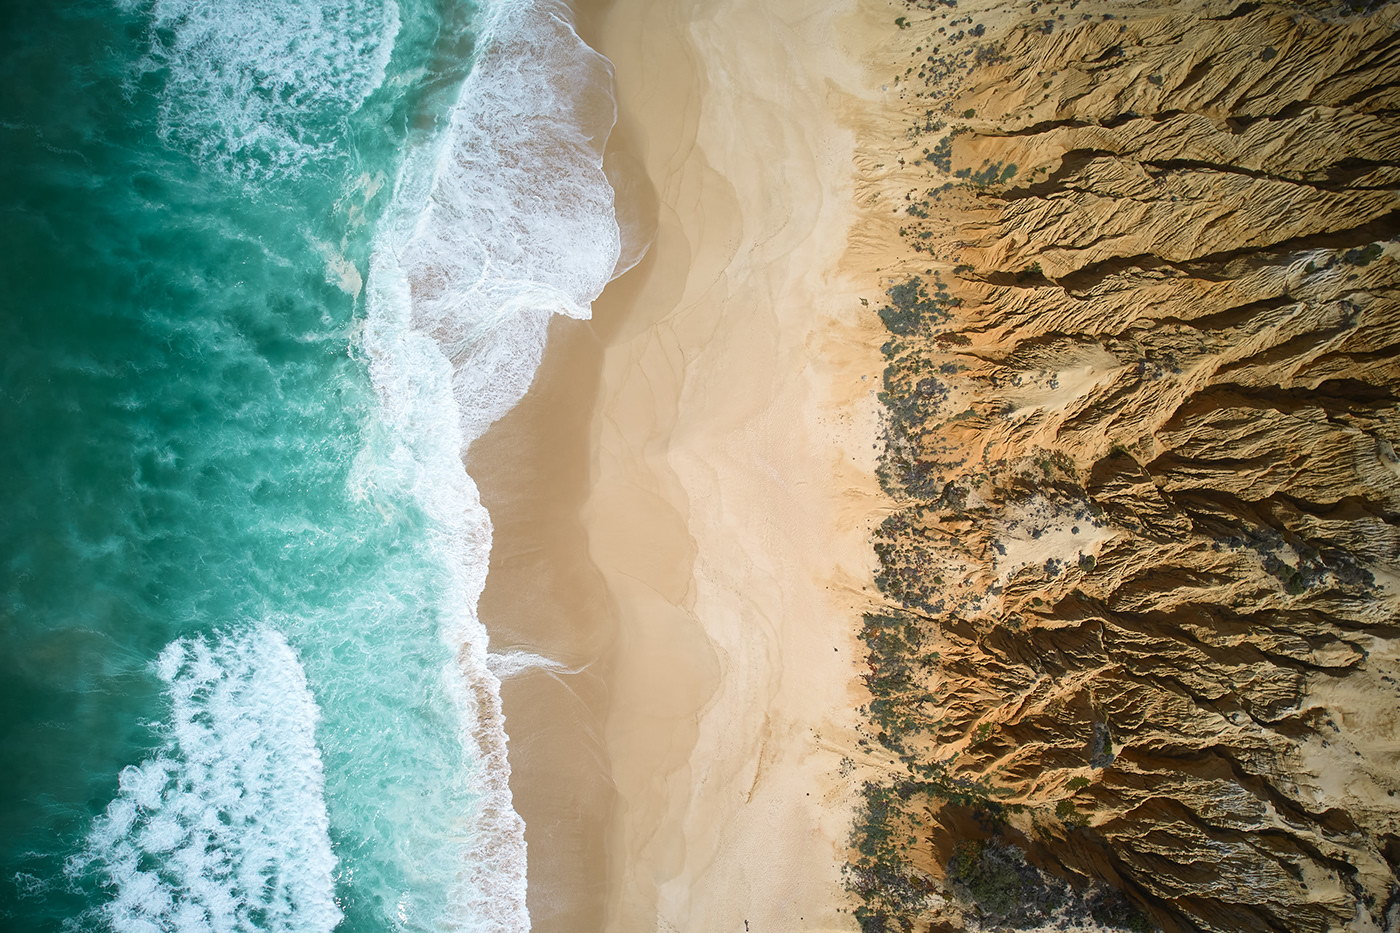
543 596
690 522
684 499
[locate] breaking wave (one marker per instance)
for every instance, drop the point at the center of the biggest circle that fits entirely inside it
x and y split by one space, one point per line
225 828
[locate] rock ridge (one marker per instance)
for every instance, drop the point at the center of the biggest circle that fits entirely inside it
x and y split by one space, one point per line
1142 410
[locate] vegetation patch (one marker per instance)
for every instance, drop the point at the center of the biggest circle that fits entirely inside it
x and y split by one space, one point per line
1007 892
1005 889
1364 255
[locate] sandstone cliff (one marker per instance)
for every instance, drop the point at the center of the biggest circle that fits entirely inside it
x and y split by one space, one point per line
1143 405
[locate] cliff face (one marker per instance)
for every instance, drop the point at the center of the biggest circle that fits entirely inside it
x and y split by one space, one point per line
1143 409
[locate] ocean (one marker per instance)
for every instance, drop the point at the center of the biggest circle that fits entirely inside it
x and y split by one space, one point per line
269 267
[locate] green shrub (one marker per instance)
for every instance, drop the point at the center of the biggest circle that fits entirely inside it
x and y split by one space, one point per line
1365 255
1002 884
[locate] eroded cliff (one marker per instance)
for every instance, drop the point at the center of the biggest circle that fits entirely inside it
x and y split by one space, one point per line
1143 404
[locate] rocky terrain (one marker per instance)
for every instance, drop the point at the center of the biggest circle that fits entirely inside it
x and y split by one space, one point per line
1139 659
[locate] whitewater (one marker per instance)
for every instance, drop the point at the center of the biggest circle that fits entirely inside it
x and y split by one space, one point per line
505 222
340 230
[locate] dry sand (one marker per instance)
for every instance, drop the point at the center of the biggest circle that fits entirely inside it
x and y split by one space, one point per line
683 502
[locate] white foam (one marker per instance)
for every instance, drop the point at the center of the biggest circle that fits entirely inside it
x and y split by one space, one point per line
516 222
225 829
261 87
508 664
505 220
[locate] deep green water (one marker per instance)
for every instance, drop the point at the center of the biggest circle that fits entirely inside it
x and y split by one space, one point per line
232 598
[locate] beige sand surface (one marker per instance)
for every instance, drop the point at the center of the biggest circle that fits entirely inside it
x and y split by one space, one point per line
682 504
733 483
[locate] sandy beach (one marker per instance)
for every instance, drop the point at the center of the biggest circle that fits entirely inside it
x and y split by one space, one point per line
683 502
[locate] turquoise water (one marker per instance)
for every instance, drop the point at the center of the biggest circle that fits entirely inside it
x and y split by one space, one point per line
270 265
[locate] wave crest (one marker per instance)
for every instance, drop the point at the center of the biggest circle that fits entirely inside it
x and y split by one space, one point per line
224 829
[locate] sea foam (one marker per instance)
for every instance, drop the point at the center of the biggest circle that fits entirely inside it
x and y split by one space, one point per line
224 829
505 220
262 87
